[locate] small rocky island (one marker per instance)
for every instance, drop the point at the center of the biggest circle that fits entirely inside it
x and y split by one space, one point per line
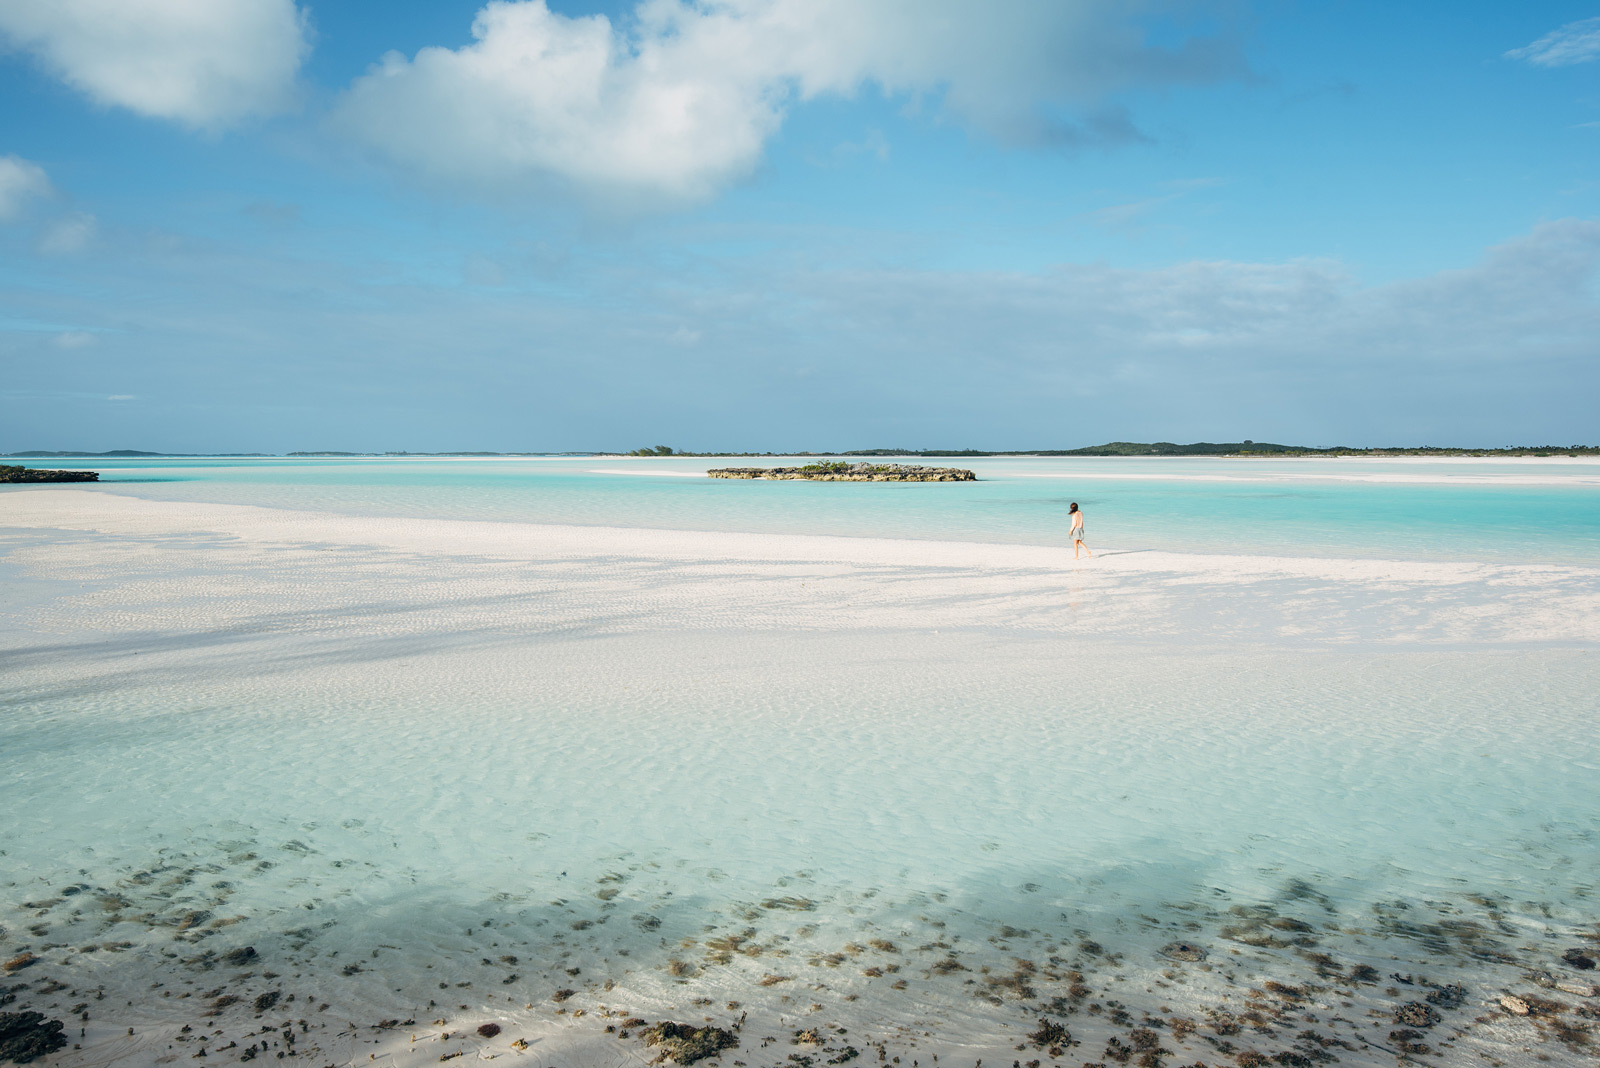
839 471
41 474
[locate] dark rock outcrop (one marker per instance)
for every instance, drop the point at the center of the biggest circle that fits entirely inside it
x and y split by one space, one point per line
847 472
686 1044
27 1035
43 474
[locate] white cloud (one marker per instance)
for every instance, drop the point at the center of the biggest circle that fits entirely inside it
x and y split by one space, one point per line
681 98
1576 42
205 63
20 182
72 339
69 235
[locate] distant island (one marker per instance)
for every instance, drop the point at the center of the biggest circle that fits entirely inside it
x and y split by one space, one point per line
122 454
1167 448
843 472
1113 448
42 474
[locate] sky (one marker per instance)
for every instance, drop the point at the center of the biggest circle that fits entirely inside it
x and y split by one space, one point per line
753 225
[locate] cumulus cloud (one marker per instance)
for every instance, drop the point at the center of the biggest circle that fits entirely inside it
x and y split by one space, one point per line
20 181
680 98
205 63
1576 42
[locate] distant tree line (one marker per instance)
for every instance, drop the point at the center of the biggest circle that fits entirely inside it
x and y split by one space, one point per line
1167 448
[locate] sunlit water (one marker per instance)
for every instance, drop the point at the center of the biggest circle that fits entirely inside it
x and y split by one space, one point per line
1546 510
919 838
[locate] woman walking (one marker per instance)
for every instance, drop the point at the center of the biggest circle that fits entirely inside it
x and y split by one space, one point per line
1077 531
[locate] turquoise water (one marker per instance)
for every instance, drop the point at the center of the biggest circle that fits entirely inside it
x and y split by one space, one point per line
425 786
1534 511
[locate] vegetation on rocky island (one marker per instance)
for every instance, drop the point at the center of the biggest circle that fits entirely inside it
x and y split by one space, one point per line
42 474
1245 448
839 471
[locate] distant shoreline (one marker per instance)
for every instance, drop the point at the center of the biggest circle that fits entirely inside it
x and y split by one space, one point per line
1240 449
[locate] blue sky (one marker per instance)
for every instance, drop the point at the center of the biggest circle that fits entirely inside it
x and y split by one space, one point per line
256 225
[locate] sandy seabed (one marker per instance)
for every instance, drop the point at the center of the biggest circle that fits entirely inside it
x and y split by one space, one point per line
342 790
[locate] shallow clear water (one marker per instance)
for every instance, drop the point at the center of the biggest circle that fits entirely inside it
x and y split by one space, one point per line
1532 510
408 813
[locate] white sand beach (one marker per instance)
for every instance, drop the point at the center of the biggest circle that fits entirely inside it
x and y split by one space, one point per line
378 753
462 576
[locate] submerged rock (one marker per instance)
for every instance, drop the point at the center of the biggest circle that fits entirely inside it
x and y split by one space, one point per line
1515 1005
26 1035
1187 951
1416 1014
1449 996
686 1044
241 956
1579 959
1049 1033
1406 1041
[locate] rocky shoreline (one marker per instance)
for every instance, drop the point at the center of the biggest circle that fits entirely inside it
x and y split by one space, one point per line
848 472
44 474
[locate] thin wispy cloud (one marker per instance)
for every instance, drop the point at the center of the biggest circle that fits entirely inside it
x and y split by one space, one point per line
874 144
69 235
1576 42
1131 213
73 339
21 181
